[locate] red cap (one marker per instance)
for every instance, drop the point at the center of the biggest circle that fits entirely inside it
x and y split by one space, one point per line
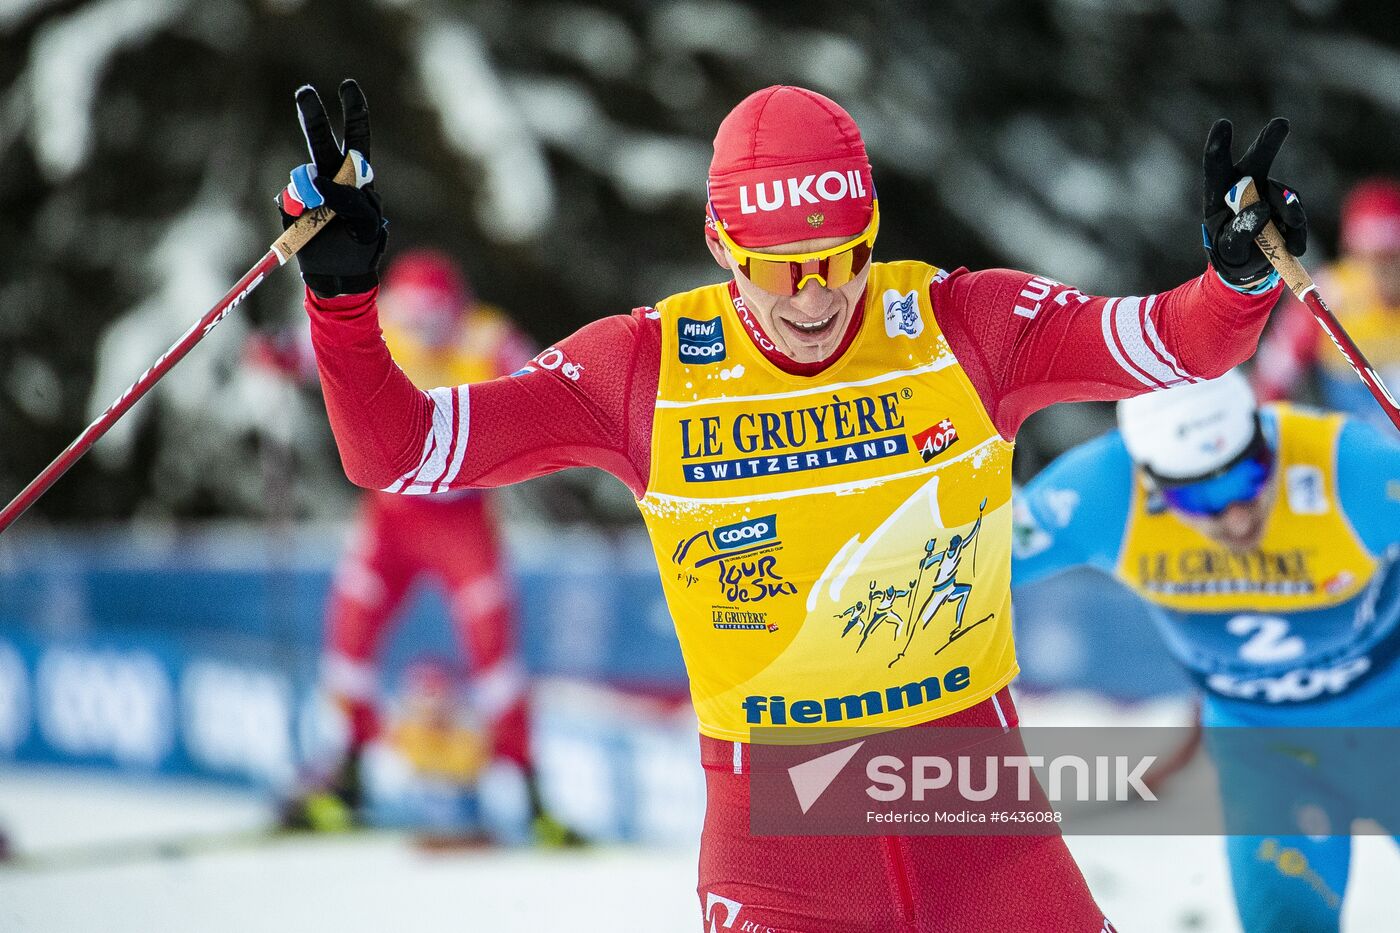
427 283
1371 217
789 165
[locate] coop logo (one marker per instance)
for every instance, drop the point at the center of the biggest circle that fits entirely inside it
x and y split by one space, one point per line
794 192
237 720
106 704
745 553
936 439
746 533
700 341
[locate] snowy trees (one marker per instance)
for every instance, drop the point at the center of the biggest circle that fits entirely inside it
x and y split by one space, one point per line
560 149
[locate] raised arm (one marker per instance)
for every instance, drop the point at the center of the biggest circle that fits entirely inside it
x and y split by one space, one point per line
584 402
1027 341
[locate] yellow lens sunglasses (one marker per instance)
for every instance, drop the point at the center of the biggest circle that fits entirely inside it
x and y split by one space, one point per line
786 275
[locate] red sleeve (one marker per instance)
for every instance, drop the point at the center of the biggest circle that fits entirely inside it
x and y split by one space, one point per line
587 401
1027 342
1288 351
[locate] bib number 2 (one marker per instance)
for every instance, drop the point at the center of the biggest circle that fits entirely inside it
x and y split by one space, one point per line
1268 639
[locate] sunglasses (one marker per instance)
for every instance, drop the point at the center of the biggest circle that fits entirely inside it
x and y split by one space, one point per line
785 275
1240 480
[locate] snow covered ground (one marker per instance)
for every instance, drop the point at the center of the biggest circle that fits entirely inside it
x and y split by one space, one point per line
89 870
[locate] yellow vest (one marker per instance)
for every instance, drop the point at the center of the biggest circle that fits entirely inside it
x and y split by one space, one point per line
834 549
1309 556
454 752
1374 327
473 357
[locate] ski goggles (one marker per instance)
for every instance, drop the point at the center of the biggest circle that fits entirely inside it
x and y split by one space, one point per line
786 274
1240 480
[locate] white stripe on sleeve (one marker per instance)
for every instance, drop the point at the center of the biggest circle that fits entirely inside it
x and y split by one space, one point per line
1162 351
459 449
1106 322
1123 320
443 449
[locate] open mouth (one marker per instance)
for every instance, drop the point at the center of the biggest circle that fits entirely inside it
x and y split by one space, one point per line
811 328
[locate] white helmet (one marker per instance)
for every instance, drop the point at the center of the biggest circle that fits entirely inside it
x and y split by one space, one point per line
1192 430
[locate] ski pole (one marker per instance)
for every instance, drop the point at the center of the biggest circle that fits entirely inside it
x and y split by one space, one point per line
1270 241
283 248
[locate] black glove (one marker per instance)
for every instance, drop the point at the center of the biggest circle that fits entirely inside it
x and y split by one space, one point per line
1229 238
343 257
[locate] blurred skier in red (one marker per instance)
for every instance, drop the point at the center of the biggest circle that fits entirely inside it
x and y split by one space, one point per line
439 331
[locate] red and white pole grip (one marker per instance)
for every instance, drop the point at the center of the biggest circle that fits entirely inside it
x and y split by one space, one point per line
1296 277
285 247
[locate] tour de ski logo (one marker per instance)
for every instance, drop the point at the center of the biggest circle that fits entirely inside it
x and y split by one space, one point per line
902 314
899 611
700 342
744 556
936 439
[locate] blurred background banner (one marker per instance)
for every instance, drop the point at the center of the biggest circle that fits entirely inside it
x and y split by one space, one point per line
195 653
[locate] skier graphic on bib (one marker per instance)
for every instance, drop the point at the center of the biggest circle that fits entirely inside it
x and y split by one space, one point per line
852 615
882 610
946 588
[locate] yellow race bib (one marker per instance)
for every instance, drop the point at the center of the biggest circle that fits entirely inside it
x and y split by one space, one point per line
834 549
1308 558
